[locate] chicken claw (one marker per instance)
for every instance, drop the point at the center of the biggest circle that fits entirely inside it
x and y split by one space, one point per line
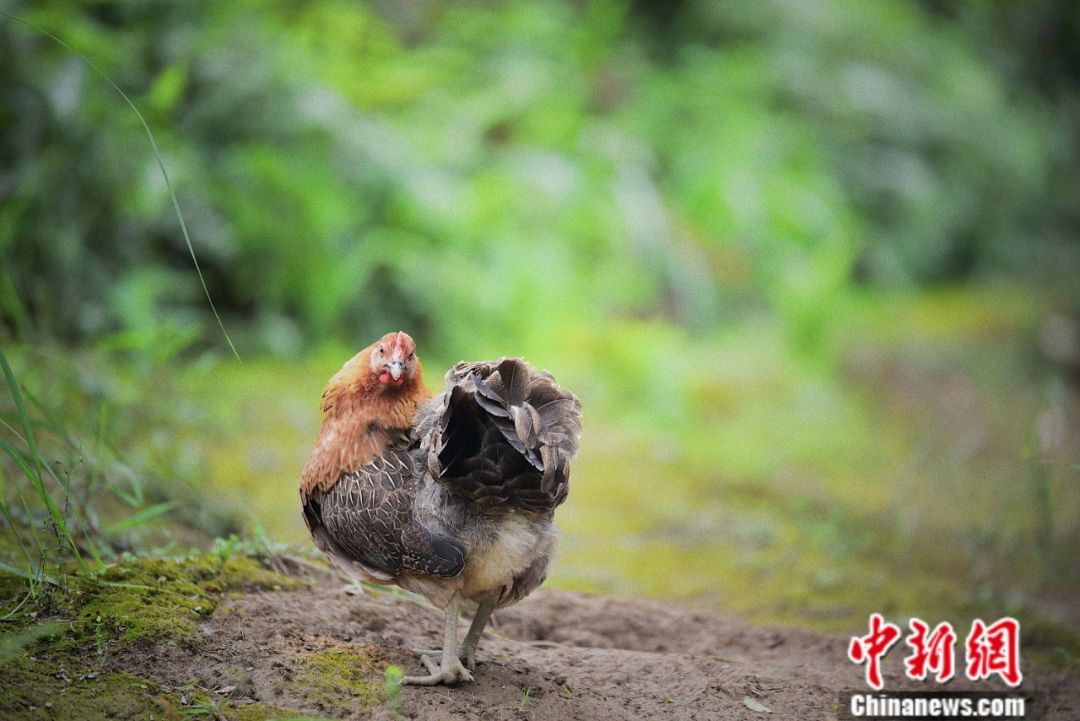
466 655
450 669
448 673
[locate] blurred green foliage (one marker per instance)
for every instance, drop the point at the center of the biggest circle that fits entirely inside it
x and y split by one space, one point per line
348 167
797 258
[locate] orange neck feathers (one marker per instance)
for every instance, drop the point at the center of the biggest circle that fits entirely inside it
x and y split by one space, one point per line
361 417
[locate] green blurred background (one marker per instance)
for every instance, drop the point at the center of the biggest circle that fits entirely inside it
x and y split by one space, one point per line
811 267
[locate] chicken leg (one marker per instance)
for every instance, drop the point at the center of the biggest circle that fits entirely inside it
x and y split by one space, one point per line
450 670
467 651
476 630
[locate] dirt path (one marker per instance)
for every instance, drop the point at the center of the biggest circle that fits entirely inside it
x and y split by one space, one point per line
557 656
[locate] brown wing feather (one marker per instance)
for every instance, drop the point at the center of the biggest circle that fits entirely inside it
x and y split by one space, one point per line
367 517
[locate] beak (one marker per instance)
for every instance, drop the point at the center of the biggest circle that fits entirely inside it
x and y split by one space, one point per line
396 368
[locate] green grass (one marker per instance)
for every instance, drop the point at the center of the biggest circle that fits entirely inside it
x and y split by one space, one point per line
21 449
69 498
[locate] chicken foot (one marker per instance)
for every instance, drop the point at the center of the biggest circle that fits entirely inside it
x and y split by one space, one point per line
450 671
467 652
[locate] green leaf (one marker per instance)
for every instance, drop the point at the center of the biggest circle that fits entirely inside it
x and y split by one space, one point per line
755 705
168 89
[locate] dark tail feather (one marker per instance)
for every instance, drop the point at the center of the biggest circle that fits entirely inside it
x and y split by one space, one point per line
504 435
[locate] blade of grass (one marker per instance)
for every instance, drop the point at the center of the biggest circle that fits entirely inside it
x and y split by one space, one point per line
8 418
31 591
24 466
96 469
140 517
57 427
42 576
16 456
33 470
12 305
88 537
35 532
10 520
51 421
21 461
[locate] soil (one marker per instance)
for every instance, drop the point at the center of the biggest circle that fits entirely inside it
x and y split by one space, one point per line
556 656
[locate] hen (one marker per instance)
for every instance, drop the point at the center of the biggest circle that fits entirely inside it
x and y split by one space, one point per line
449 496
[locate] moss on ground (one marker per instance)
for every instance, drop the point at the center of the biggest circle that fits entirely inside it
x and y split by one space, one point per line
53 686
266 712
342 680
59 686
155 598
53 654
12 589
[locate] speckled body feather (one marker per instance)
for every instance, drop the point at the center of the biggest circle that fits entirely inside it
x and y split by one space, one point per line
458 498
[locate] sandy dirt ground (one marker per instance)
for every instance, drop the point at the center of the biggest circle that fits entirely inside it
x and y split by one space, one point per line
556 656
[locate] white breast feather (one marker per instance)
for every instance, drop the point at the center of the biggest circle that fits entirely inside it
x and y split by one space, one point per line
494 564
